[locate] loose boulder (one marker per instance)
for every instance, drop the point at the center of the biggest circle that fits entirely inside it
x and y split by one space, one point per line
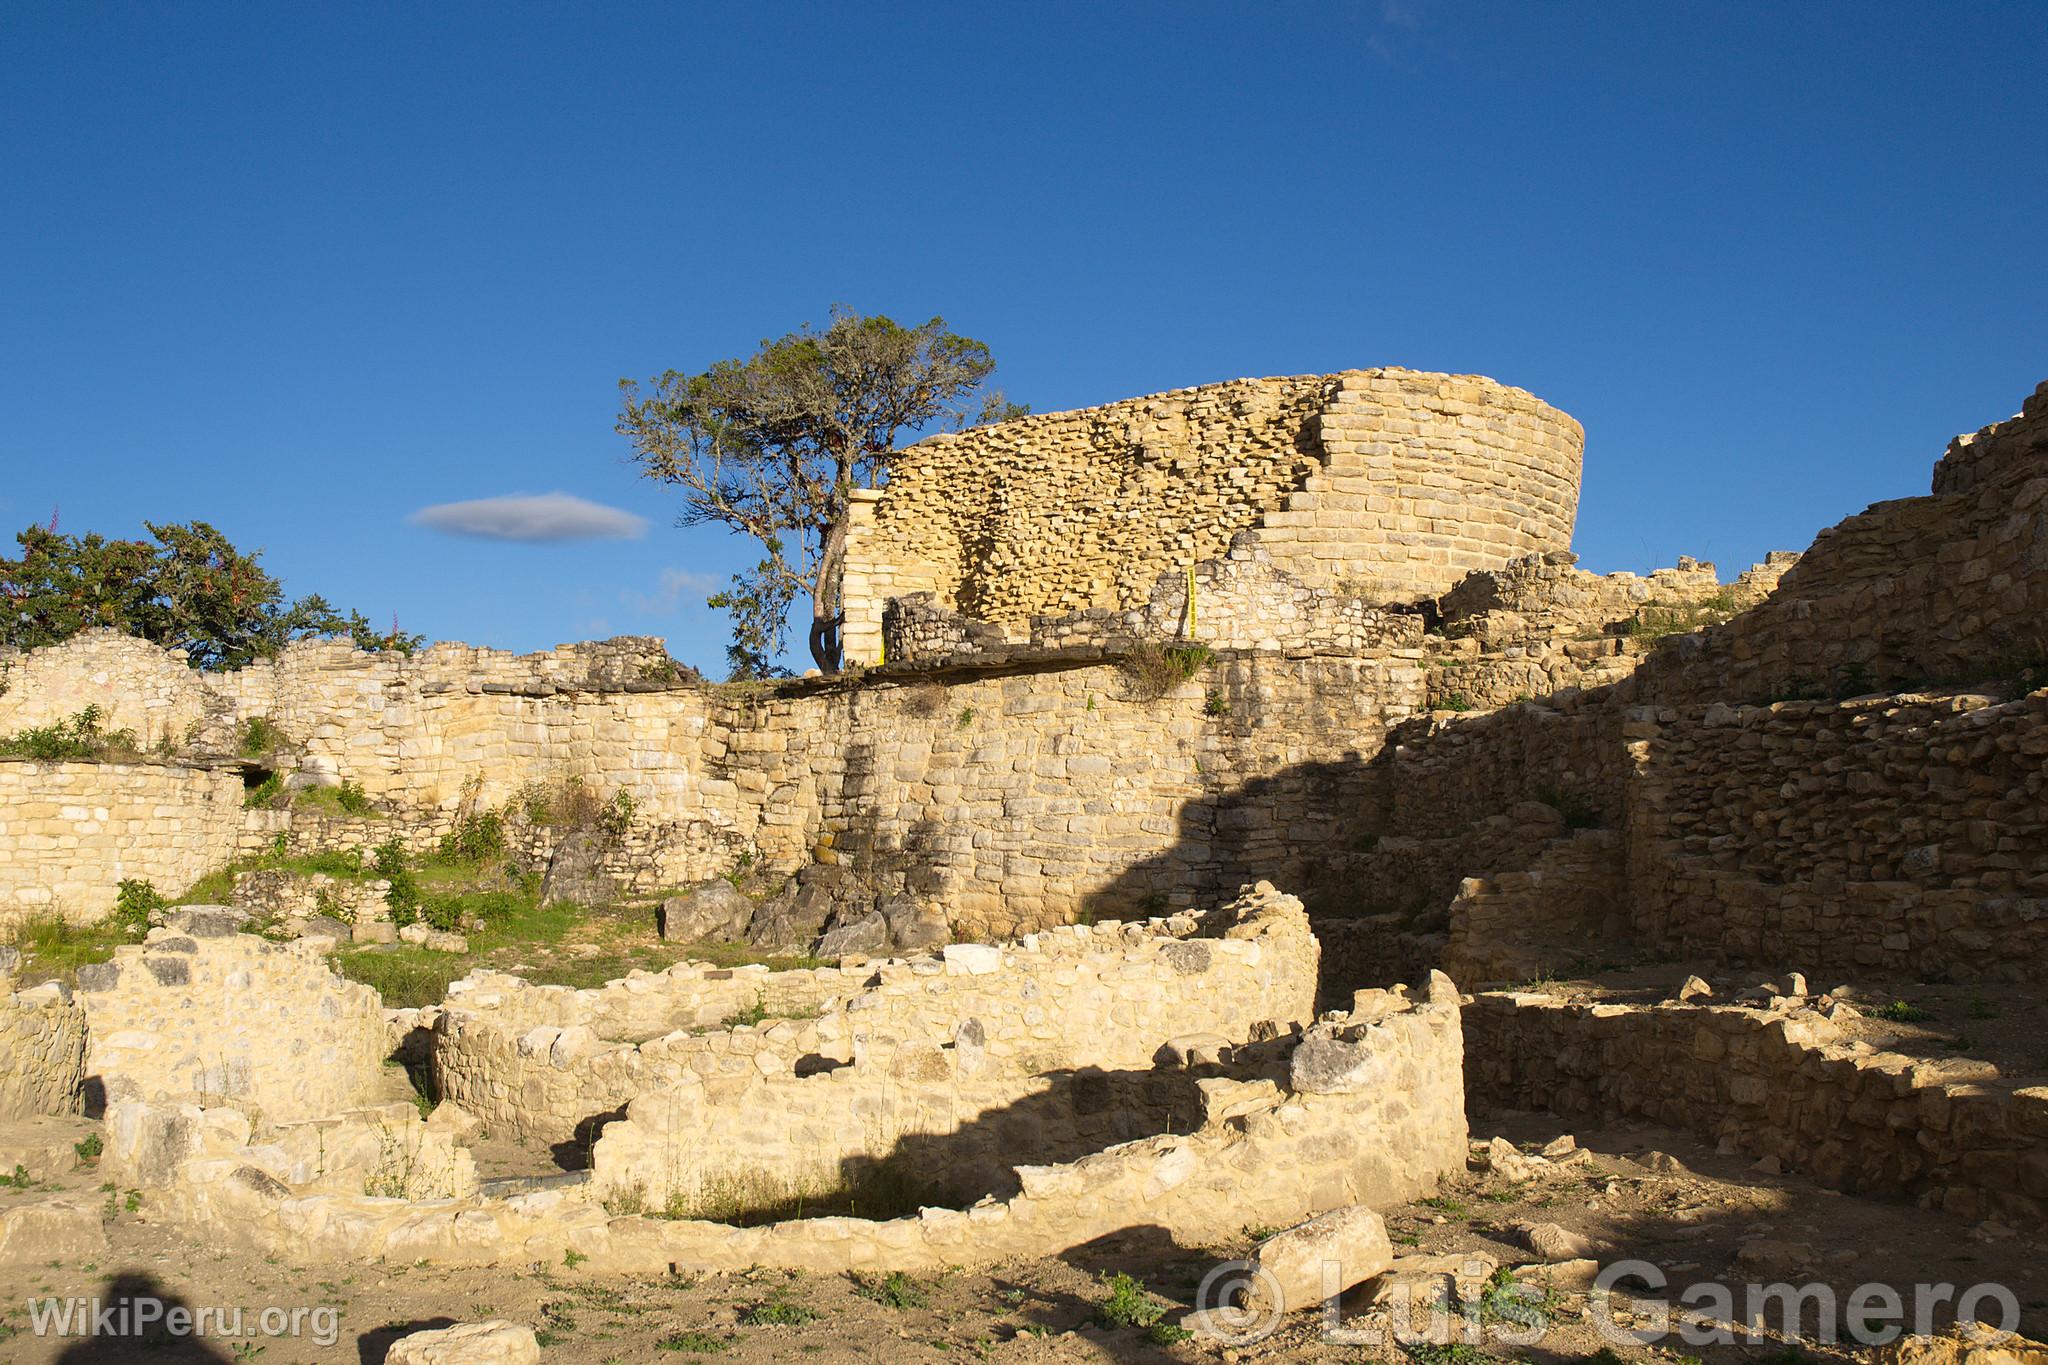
1328 1254
496 1342
715 910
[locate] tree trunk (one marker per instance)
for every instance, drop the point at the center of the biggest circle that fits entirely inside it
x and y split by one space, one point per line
827 600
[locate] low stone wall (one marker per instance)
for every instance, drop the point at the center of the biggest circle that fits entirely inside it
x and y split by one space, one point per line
1372 1112
1776 1084
537 1061
199 1012
941 1119
42 1052
387 1153
71 832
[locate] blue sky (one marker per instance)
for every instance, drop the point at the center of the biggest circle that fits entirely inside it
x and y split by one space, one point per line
302 271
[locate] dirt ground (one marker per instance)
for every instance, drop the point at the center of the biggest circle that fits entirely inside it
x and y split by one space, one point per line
1636 1192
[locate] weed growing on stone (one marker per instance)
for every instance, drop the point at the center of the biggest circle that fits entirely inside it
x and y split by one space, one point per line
79 737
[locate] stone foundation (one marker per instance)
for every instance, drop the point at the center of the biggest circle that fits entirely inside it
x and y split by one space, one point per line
200 1013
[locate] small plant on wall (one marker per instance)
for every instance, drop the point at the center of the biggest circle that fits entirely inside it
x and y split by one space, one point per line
1152 670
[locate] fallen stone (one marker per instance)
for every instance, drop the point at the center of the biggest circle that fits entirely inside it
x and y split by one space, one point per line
914 925
58 1229
496 1342
863 937
1575 1274
1663 1163
1554 1243
1769 1255
1560 1147
716 910
1695 988
451 1118
1325 1256
1508 1161
1966 1343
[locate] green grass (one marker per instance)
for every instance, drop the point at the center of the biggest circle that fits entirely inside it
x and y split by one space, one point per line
54 950
693 1342
1902 1012
79 737
346 800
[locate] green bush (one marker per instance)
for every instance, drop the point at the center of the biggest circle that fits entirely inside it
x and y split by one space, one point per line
265 794
133 901
1128 1304
476 838
404 898
79 736
259 736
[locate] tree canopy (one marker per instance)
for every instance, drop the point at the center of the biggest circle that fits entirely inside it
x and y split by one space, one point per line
771 445
185 588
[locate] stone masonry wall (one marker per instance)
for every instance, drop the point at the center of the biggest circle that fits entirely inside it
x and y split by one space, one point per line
42 1042
1948 588
1777 1084
545 1061
1395 481
69 832
201 1013
1893 834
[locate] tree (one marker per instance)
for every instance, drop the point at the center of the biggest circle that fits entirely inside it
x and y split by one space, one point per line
772 445
190 589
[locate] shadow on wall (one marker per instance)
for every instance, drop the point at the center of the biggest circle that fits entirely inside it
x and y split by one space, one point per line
1377 848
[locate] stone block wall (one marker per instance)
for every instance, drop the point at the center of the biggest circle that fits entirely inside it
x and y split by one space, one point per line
42 1052
70 832
136 686
200 1013
1391 481
1892 834
546 1061
1777 1084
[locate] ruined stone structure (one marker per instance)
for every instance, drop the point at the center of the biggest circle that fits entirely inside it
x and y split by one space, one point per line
1325 632
201 1014
545 1061
1395 482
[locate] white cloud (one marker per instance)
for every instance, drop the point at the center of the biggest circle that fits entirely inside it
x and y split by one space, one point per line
534 518
669 592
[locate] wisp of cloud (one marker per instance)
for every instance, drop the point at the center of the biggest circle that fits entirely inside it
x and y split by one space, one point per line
534 518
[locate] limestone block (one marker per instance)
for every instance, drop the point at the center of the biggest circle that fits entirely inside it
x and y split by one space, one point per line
495 1342
1320 1258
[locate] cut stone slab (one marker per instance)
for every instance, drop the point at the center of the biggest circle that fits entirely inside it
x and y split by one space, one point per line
496 1342
60 1228
1325 1256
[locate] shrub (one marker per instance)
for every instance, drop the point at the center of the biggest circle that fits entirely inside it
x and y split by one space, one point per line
1128 1304
778 1310
259 736
265 794
134 900
404 895
78 736
1151 670
476 838
351 797
896 1290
